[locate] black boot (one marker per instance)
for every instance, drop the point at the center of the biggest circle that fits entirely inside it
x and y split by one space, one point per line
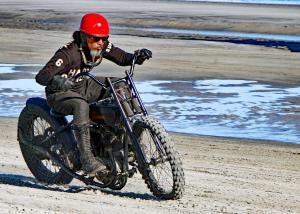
89 163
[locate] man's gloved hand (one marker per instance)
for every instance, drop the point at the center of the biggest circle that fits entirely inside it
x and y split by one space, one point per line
142 55
61 83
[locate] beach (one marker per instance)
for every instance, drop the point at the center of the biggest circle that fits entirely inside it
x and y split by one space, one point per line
223 175
38 30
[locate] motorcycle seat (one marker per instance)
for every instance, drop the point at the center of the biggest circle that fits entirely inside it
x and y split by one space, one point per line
56 113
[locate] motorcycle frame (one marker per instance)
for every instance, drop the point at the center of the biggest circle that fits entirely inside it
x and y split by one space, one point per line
110 85
126 120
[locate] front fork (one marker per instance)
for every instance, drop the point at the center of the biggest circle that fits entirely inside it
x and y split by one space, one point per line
125 119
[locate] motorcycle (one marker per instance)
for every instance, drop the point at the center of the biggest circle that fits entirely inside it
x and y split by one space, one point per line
123 137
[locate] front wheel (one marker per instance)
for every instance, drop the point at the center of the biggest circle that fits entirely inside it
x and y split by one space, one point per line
162 170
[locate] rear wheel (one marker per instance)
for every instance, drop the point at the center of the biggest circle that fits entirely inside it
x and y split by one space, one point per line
36 124
162 171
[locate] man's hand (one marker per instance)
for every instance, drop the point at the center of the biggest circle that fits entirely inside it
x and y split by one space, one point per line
142 55
61 83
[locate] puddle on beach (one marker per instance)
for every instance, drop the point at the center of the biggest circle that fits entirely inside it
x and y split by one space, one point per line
230 108
233 108
229 34
17 69
291 42
278 37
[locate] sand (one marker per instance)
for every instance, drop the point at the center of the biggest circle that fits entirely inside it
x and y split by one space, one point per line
222 175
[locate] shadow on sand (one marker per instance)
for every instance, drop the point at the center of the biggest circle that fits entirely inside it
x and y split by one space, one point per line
25 181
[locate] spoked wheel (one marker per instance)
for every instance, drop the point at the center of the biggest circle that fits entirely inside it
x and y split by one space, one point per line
41 130
35 124
162 172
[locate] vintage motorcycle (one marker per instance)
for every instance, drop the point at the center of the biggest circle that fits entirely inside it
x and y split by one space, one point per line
123 136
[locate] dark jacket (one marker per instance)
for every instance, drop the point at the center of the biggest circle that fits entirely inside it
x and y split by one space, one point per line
68 62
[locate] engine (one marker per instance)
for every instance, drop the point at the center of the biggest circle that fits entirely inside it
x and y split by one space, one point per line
105 112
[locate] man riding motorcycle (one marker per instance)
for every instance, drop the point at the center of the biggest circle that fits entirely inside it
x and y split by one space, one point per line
72 97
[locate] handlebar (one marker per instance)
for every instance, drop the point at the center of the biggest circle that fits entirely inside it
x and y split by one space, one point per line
130 73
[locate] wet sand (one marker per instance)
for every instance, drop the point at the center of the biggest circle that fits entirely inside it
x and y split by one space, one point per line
172 58
223 175
65 15
32 32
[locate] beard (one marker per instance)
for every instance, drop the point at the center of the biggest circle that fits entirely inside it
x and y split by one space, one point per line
95 54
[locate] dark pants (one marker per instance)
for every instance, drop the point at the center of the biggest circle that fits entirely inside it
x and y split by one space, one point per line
76 102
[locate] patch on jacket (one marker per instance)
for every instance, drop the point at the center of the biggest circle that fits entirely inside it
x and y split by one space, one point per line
109 47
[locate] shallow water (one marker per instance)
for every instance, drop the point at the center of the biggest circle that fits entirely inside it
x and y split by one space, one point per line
233 108
13 69
278 37
230 108
231 34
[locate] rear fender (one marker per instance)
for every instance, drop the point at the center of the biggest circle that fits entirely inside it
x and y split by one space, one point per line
42 103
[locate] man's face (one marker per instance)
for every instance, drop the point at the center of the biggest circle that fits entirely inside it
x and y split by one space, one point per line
95 44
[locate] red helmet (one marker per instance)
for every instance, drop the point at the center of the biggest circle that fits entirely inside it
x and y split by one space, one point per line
95 25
